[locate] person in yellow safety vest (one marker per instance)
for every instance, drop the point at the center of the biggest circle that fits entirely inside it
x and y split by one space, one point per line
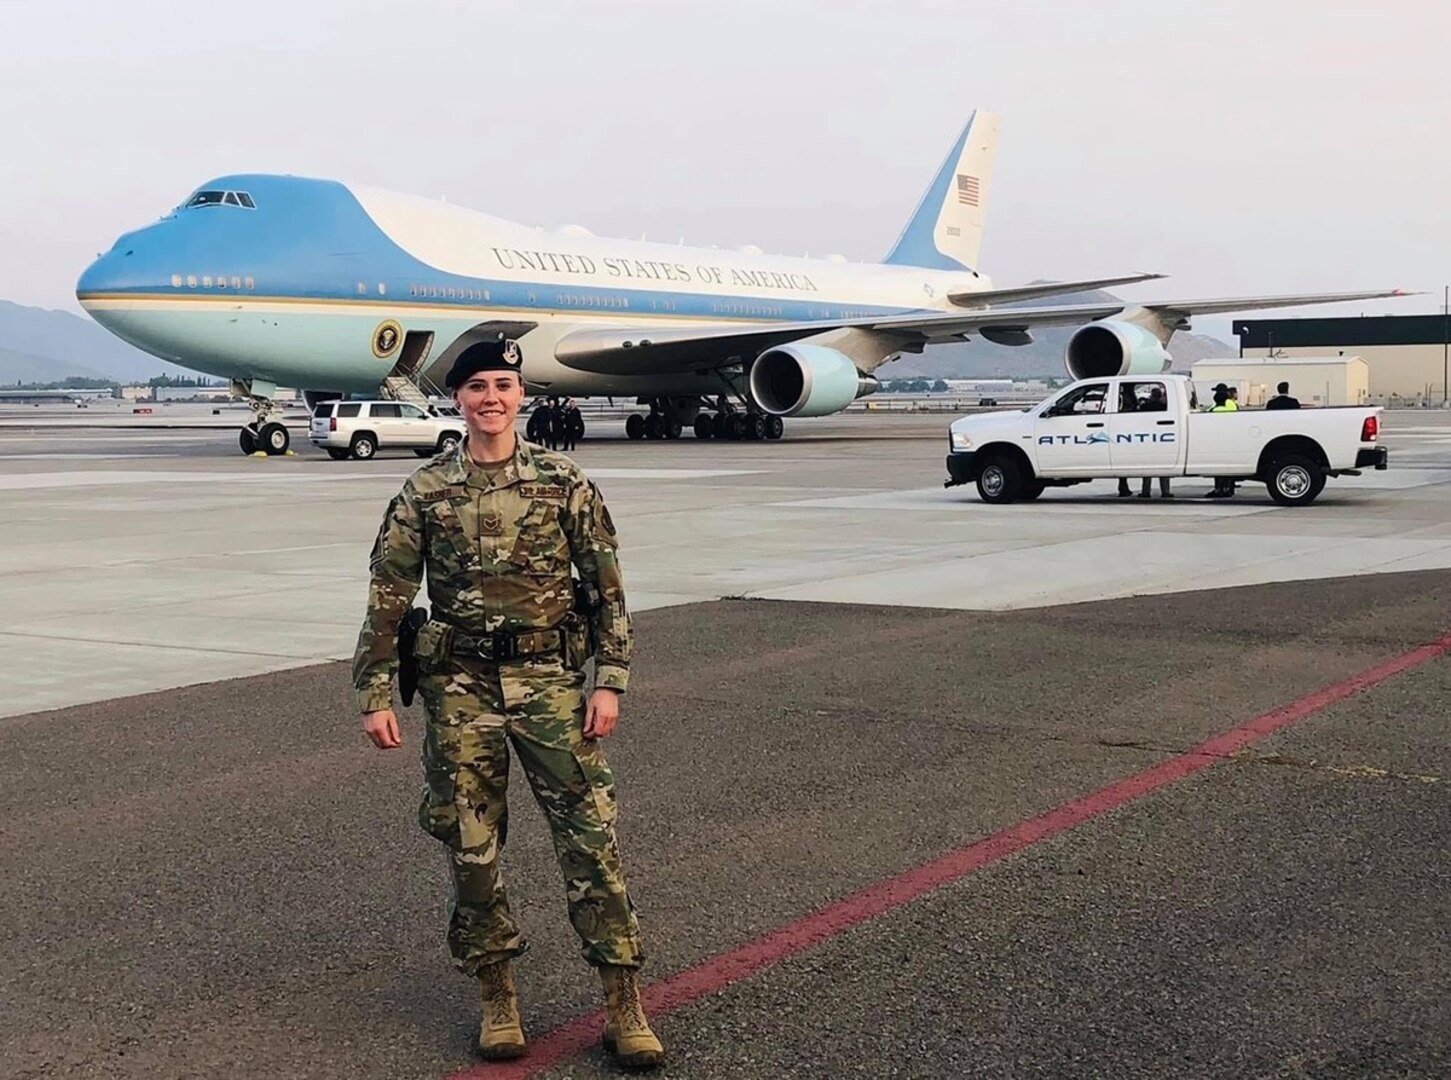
1225 400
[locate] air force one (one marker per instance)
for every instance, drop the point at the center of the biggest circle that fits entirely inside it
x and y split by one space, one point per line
335 289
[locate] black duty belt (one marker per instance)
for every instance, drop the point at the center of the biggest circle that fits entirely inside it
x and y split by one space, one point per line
508 645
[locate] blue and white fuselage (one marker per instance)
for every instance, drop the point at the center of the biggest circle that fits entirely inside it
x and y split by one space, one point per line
289 280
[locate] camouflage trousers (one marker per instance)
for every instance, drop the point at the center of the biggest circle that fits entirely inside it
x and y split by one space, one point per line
475 710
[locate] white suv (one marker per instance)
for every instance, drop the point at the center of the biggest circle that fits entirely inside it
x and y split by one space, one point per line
359 429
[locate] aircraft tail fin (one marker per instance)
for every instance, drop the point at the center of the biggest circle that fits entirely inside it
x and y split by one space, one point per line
945 232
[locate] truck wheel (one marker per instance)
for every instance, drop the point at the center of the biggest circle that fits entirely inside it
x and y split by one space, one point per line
1295 480
363 447
1033 489
336 454
999 481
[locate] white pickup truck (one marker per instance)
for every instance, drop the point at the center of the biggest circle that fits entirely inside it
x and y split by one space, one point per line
1151 426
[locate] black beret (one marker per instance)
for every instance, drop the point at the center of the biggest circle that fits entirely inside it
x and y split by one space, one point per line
500 355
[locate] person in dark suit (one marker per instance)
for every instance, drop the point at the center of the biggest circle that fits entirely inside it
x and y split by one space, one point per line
555 432
1282 398
573 424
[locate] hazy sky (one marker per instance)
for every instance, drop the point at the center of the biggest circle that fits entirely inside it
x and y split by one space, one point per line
1265 146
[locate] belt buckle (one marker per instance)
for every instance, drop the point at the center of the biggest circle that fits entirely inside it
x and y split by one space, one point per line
503 646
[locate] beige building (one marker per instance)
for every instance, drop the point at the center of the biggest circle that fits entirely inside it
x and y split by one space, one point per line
1409 355
1314 380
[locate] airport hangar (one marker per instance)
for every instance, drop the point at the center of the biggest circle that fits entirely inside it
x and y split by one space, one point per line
1407 355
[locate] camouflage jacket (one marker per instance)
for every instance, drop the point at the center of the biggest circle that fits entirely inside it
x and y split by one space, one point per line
498 557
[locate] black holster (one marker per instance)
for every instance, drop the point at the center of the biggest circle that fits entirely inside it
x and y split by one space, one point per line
407 653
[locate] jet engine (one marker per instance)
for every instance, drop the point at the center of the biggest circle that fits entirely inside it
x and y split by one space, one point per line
807 380
1113 347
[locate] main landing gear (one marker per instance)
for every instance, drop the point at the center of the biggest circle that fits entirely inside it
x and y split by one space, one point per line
738 424
668 418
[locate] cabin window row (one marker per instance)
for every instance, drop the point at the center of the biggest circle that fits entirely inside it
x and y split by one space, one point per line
447 292
579 300
748 309
207 281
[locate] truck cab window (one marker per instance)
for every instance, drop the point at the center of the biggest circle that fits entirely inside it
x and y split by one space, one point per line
1144 397
1084 401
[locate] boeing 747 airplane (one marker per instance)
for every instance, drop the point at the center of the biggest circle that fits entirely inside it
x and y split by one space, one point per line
337 289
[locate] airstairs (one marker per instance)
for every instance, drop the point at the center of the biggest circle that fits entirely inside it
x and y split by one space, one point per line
402 388
406 382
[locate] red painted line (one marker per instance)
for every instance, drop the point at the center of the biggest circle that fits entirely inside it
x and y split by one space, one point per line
721 971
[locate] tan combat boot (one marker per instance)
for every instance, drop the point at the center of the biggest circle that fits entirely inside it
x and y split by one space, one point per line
501 1035
627 1032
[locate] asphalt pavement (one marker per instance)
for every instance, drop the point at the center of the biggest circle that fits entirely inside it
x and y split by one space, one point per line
223 879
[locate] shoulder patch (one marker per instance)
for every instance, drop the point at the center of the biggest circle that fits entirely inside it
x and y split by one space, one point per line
605 519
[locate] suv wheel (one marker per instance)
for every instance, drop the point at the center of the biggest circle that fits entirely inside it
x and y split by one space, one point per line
448 442
363 447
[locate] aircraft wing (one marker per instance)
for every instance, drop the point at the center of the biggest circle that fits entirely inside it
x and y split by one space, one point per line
1047 288
659 350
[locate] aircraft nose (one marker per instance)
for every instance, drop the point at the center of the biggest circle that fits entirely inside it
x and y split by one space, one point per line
103 275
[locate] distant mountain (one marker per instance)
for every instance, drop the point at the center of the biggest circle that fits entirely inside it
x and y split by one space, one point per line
979 359
40 345
22 367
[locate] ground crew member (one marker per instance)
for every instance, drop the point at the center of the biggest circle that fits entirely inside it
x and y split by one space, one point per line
497 524
1226 399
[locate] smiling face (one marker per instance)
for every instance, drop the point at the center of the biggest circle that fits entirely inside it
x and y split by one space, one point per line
489 402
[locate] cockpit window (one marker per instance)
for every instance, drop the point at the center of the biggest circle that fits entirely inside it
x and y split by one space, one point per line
221 198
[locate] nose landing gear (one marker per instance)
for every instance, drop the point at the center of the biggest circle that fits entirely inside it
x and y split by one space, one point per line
265 433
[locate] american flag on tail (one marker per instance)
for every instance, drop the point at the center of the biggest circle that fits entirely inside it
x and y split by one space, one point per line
968 189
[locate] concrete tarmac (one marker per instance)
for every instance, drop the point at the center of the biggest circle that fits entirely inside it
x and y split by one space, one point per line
223 879
137 553
844 672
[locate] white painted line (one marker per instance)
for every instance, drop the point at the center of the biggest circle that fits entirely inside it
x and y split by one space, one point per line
72 456
666 474
111 478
